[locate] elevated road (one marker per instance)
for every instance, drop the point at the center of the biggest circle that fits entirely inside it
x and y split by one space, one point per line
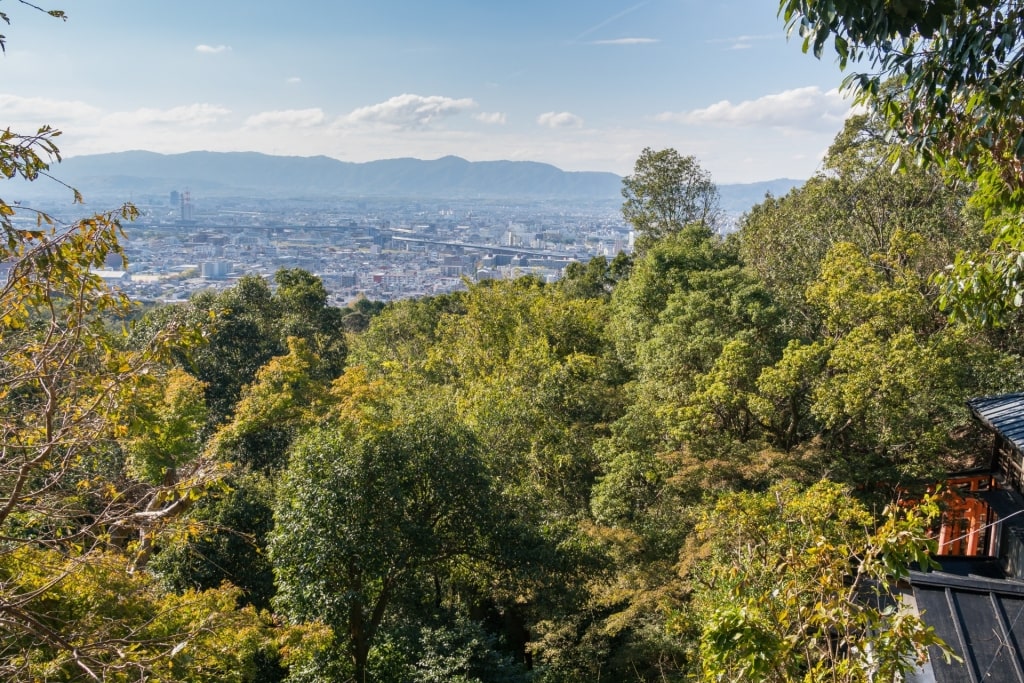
490 248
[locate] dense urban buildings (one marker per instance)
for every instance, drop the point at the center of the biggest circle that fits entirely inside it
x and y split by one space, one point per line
380 249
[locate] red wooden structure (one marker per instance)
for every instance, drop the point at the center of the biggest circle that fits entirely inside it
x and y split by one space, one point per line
966 528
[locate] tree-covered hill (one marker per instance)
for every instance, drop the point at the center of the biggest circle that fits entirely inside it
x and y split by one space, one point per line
676 465
522 481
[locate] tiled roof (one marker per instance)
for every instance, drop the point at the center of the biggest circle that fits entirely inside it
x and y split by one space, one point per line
971 606
1003 415
981 619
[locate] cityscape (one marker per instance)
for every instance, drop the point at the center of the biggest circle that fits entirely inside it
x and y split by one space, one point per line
379 249
385 230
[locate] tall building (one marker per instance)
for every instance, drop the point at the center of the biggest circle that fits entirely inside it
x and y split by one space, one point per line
186 207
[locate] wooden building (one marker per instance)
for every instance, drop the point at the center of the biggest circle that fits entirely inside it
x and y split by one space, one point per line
975 602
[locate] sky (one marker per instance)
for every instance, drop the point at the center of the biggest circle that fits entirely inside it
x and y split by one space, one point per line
585 85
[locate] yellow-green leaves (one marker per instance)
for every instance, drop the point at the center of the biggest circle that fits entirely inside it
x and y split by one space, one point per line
165 430
801 586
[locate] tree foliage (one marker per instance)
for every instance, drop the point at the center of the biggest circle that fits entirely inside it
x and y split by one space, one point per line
69 389
246 325
384 503
99 456
121 626
945 75
667 192
858 200
946 79
800 585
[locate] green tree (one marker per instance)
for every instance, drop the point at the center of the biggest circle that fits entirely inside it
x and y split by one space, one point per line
854 199
529 369
801 585
239 331
595 279
385 503
667 192
229 528
243 327
67 384
946 75
666 268
849 258
688 300
402 334
163 434
223 541
695 328
63 382
895 375
945 78
137 631
697 321
356 316
164 417
305 313
284 396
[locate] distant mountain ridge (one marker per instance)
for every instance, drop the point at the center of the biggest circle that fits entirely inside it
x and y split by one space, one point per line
226 173
450 177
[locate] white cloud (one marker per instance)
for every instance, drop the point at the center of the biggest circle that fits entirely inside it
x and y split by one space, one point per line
190 115
744 42
494 118
291 118
559 120
410 111
43 109
800 108
627 41
212 49
294 80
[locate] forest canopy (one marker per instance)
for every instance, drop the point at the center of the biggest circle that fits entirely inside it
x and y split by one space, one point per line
680 464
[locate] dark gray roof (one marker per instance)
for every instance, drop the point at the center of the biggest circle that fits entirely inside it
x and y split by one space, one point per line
1003 415
981 619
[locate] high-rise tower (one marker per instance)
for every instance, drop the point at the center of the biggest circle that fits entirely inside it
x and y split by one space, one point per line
186 207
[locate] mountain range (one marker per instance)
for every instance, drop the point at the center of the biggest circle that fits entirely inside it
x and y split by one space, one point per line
139 173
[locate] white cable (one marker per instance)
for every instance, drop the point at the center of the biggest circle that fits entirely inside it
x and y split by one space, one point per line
976 531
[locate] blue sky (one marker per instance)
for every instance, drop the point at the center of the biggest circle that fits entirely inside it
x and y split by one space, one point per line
582 84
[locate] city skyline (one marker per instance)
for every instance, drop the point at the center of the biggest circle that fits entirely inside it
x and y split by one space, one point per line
582 86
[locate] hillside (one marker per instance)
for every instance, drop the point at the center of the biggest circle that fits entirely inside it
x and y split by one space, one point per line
233 173
252 174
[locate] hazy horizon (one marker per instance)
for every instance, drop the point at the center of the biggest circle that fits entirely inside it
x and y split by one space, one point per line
584 86
370 161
